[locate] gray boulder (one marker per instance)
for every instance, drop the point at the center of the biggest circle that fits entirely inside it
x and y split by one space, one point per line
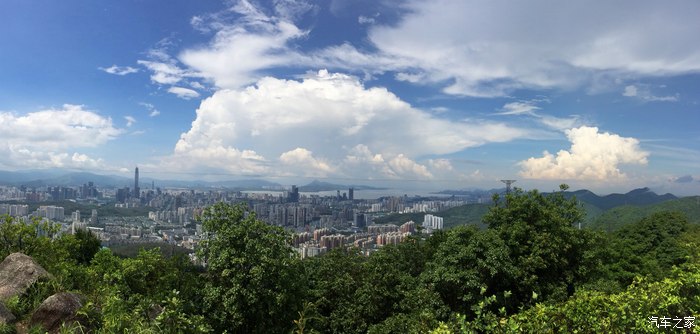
17 273
6 316
56 310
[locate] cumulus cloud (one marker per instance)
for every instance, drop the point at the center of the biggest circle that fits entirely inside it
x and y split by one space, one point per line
69 126
183 93
592 156
119 70
45 138
304 163
335 117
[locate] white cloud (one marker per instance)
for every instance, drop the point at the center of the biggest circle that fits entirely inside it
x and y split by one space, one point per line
491 48
467 47
643 92
165 73
559 123
183 93
302 162
592 156
129 120
630 91
69 126
197 85
153 112
44 138
331 115
119 70
254 42
519 108
365 19
529 108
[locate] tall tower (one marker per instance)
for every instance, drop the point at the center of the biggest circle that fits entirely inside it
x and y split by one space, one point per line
508 183
137 191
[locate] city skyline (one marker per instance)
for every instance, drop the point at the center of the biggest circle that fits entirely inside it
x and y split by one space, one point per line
426 95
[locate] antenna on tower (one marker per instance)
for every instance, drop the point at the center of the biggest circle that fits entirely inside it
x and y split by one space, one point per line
508 183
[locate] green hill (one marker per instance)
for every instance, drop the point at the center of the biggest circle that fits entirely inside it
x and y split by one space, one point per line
612 219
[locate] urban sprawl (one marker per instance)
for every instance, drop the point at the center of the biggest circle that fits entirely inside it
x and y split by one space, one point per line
319 222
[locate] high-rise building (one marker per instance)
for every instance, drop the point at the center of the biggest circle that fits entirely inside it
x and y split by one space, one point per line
293 196
137 191
351 194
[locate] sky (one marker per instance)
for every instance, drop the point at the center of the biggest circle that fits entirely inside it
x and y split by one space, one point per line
437 94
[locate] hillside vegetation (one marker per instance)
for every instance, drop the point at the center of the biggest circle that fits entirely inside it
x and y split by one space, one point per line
617 217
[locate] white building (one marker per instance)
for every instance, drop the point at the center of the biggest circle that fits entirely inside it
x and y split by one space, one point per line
431 223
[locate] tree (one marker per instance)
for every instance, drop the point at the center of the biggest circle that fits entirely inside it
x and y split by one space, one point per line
468 262
550 253
253 274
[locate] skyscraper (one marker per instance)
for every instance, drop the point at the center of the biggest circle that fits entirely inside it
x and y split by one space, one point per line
351 194
293 195
137 191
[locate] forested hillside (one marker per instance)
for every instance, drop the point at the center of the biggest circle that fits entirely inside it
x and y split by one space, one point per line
617 217
531 269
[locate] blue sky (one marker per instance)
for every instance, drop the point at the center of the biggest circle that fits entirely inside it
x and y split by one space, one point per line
429 94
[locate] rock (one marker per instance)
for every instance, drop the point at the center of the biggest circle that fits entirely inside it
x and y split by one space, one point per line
6 316
17 273
56 310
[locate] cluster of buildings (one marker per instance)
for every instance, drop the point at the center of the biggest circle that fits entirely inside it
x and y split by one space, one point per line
320 222
87 191
322 240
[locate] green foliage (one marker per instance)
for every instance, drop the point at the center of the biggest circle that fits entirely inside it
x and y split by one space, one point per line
7 329
32 238
649 247
333 280
550 254
467 261
22 306
613 219
253 278
175 320
598 312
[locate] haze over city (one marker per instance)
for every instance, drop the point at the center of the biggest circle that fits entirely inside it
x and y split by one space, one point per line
406 94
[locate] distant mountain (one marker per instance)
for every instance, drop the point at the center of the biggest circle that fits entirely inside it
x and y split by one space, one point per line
317 185
641 196
12 178
55 178
46 178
